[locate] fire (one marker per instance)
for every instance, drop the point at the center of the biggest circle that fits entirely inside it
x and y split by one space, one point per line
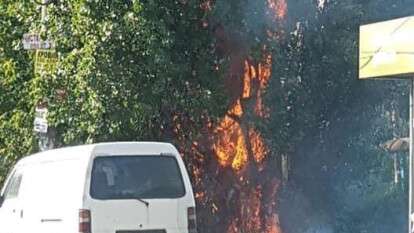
265 72
240 158
233 180
237 145
272 224
231 147
258 146
237 109
249 74
279 7
250 219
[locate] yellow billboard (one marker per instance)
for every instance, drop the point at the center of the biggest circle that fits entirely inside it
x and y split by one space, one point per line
386 49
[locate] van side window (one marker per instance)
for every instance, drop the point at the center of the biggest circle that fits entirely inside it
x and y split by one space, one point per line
12 188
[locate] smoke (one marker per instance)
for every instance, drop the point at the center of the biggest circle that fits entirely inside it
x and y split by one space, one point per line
299 214
230 193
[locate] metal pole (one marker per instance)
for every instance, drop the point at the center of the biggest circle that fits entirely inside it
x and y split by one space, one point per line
43 137
44 15
410 182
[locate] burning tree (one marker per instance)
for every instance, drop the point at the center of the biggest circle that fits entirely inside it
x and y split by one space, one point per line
236 184
147 70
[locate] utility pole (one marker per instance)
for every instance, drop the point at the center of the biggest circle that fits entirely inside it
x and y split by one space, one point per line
410 179
43 135
46 136
44 14
45 58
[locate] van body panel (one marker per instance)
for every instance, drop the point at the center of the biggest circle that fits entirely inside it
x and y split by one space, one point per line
56 184
132 215
10 219
50 211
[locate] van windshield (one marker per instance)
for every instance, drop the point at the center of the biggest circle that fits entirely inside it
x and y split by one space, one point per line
132 177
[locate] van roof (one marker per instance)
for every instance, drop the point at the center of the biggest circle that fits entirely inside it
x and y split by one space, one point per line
106 148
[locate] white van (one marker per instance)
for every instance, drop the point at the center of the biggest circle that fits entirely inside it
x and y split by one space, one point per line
120 187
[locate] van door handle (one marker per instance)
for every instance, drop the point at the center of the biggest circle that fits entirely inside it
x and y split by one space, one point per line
50 220
21 213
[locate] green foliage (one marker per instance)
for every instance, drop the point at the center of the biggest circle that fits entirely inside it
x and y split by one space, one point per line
16 104
127 70
134 70
130 67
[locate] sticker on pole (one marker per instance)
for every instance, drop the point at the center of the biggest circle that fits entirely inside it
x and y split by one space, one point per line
33 41
46 61
40 121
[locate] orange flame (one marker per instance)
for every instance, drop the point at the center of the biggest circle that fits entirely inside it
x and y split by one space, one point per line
272 224
240 147
237 109
279 7
240 158
265 73
231 146
250 219
237 144
258 146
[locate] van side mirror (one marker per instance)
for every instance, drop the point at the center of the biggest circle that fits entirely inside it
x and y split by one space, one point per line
1 200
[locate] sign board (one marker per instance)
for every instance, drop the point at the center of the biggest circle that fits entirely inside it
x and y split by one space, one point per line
386 49
33 41
40 121
45 61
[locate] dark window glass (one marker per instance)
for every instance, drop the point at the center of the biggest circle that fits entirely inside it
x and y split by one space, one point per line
129 177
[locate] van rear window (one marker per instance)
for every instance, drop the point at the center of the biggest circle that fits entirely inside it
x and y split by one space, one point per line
129 177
